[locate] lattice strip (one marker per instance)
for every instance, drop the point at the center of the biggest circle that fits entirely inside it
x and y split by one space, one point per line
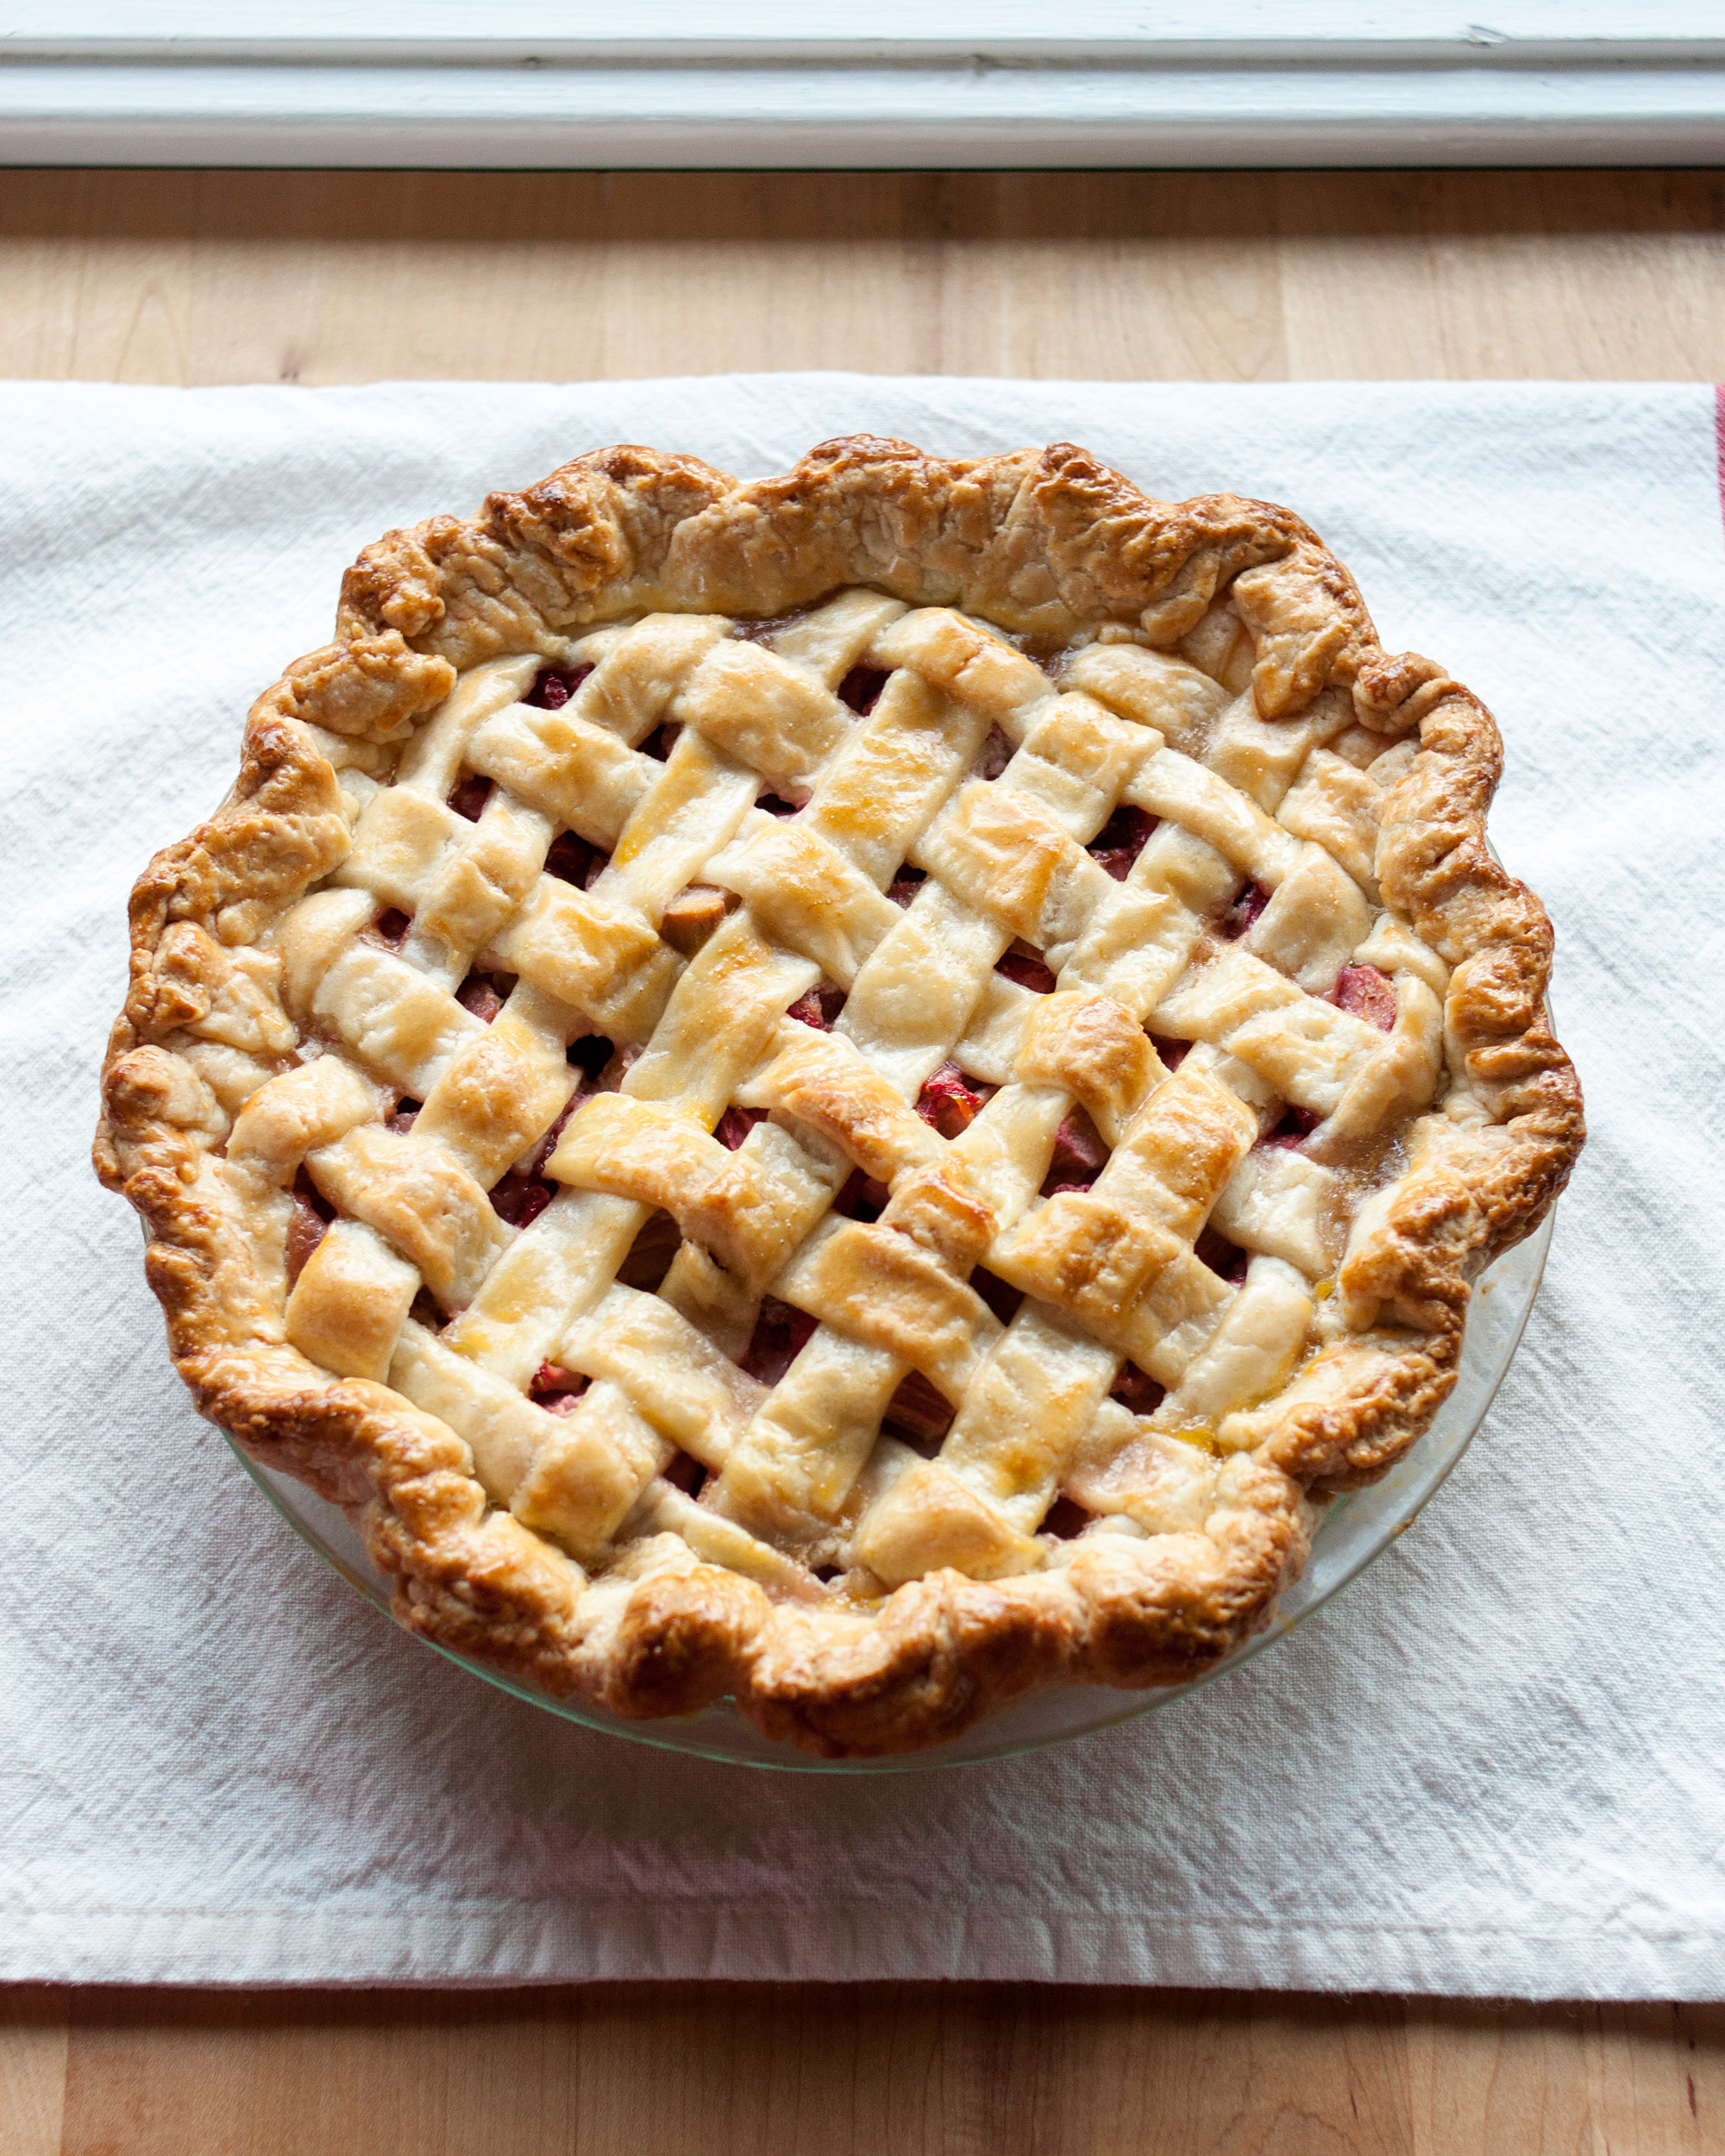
797 1463
1031 1404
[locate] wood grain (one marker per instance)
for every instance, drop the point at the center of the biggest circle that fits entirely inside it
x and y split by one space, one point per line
762 2070
342 276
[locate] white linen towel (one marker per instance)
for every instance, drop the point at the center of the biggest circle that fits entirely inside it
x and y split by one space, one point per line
1493 1767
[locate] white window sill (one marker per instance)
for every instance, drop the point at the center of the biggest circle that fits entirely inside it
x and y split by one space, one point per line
1236 83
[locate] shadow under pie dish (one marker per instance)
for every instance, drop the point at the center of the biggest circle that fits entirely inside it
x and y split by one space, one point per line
858 1092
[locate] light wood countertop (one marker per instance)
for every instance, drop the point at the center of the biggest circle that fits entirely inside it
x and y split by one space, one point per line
344 277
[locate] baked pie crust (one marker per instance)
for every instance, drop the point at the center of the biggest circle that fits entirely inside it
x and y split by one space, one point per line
859 1091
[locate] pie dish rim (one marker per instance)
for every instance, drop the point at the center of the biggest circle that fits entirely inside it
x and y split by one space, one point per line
717 1732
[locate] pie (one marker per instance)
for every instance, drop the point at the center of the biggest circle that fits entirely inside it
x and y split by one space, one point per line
860 1091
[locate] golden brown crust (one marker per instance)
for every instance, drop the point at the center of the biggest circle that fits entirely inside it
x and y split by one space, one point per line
1051 544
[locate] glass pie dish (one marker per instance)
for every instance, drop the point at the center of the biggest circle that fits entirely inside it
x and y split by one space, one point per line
1356 1529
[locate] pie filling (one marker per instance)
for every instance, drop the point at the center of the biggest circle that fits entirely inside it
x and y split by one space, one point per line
845 1096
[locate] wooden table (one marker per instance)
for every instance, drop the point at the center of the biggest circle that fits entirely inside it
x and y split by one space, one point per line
241 277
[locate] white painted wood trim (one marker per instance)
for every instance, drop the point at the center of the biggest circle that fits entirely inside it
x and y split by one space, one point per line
970 24
954 83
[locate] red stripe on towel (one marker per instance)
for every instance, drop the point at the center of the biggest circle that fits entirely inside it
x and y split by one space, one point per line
1719 439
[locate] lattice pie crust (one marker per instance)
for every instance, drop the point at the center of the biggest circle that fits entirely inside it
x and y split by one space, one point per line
859 1091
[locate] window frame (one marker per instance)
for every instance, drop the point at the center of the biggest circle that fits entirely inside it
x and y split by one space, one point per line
560 84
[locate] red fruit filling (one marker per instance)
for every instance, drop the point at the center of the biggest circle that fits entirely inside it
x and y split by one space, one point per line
651 1254
307 1194
662 741
819 1007
693 917
571 859
553 687
521 1197
736 1124
780 1334
687 1473
920 1412
861 1197
1065 1520
534 1166
485 994
424 1311
904 885
312 1212
1368 993
765 626
1079 1155
1173 1053
1028 970
951 1102
1001 1299
996 753
1243 912
776 805
469 798
590 1054
1296 1125
392 925
1214 1249
1121 840
616 1068
1136 1389
556 1389
860 689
